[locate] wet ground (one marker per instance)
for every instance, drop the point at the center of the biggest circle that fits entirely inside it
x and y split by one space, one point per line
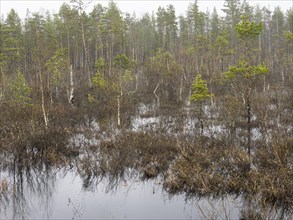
155 167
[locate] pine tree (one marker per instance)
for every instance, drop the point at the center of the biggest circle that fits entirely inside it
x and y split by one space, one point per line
18 94
199 96
245 74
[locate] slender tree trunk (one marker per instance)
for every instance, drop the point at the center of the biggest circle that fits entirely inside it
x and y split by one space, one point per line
259 49
155 92
51 96
212 98
71 86
283 76
136 80
2 83
50 89
112 48
45 115
119 99
96 49
200 118
86 57
264 84
39 62
118 110
248 108
101 53
181 88
68 48
71 82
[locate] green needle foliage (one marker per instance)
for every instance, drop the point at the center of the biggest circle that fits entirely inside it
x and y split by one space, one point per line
121 61
19 92
99 81
100 64
243 70
200 90
58 66
199 95
248 30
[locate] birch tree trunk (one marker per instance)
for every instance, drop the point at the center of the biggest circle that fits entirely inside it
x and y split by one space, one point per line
45 115
71 86
87 64
181 88
118 110
155 93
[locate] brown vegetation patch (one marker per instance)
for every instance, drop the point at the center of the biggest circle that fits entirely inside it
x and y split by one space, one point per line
149 154
215 171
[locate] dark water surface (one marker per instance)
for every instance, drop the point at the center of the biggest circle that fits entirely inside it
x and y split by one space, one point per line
63 197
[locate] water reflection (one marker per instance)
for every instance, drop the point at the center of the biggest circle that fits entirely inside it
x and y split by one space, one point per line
23 184
55 191
29 173
103 171
63 197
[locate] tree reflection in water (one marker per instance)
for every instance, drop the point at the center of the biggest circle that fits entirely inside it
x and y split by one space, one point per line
27 173
32 173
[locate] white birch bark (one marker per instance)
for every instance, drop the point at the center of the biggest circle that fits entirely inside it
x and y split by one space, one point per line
71 85
118 110
45 115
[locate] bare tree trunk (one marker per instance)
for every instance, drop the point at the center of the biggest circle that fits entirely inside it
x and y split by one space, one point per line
71 86
136 80
86 55
212 97
96 50
248 109
51 96
283 76
50 89
188 101
155 92
101 53
200 114
45 115
264 84
118 110
181 89
39 62
259 49
249 131
2 83
111 51
87 65
71 83
109 57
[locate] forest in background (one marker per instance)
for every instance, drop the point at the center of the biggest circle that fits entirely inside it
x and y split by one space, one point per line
89 59
60 73
74 58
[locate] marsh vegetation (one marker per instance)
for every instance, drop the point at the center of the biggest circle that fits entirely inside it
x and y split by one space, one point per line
196 108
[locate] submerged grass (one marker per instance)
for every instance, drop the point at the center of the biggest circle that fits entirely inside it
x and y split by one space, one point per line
205 168
149 154
215 172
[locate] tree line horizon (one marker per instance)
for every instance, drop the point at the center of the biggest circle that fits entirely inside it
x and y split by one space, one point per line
104 57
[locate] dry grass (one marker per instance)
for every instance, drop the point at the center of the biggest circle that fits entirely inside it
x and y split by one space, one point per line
214 172
204 169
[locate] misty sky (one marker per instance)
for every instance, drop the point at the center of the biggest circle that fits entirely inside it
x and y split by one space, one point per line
140 7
